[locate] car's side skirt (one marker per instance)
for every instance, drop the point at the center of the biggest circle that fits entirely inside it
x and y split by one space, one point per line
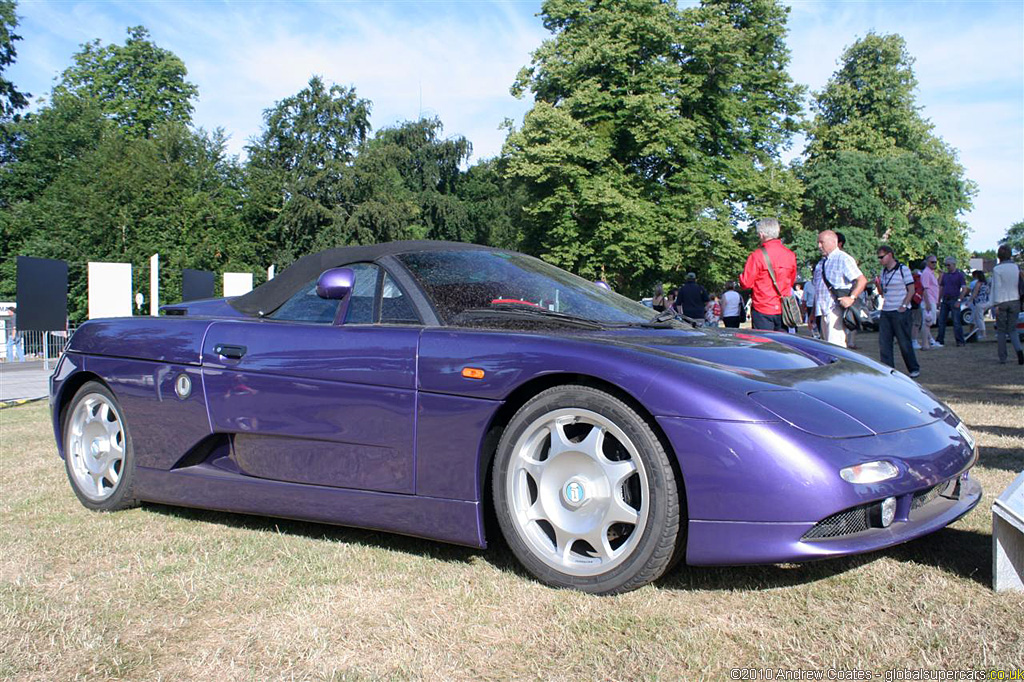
455 521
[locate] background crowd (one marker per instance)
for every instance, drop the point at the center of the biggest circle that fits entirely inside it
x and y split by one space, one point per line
838 300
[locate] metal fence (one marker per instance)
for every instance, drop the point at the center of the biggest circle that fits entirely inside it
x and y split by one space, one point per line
35 345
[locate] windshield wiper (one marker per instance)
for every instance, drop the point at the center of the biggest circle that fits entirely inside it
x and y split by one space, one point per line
507 310
667 317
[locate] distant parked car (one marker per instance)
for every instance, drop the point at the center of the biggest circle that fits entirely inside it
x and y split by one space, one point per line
966 315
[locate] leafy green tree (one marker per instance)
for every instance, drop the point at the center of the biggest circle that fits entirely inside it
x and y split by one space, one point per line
138 84
1015 238
48 143
299 176
175 193
874 163
405 182
655 132
11 100
494 205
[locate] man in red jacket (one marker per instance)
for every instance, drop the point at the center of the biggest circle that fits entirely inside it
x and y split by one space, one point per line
766 298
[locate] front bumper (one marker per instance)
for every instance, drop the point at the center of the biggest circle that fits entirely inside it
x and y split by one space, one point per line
740 542
754 490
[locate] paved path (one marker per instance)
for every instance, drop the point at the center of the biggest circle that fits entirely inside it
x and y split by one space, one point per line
24 380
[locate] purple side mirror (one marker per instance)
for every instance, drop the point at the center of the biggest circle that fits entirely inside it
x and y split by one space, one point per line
334 284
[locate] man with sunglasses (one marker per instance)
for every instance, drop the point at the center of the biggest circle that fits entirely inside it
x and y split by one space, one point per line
929 302
898 290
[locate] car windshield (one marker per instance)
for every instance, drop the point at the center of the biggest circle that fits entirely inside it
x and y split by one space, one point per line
464 283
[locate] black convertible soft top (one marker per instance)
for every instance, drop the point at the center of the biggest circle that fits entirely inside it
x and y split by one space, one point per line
268 297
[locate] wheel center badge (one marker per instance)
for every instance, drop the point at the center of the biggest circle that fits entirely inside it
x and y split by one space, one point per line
574 493
183 386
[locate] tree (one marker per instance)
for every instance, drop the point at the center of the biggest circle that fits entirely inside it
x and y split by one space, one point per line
138 84
874 164
46 144
110 170
299 179
405 182
1015 238
655 132
175 193
494 205
11 100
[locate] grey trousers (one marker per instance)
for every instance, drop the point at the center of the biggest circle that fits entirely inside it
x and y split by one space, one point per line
1006 326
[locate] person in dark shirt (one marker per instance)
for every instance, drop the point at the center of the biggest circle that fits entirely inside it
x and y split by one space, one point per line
953 288
692 298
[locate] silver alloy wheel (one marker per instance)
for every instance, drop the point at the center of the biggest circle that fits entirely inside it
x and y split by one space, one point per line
579 510
95 447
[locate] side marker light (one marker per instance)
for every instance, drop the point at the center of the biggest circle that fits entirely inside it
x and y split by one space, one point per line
472 373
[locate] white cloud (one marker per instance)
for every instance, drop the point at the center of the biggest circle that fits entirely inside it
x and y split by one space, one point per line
457 66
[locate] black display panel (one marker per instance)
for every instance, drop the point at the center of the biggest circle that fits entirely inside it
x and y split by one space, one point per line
42 297
196 284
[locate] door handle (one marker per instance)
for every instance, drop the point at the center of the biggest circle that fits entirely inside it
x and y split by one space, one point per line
226 351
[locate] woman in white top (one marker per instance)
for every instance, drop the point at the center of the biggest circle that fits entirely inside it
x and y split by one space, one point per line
1006 302
732 302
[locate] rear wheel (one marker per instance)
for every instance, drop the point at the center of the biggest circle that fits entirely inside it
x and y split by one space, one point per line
98 453
584 492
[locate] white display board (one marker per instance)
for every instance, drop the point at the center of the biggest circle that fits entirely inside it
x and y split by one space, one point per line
110 290
237 283
154 284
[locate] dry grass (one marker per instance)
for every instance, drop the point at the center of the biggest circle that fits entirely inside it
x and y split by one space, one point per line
163 593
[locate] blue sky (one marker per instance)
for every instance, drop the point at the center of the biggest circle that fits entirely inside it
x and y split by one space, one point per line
456 60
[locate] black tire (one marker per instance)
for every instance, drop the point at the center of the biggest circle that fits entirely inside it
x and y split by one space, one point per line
107 495
966 316
651 490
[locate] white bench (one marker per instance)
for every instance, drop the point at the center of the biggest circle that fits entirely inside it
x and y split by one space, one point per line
1008 538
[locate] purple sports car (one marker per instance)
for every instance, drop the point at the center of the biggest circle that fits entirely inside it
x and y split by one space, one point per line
413 387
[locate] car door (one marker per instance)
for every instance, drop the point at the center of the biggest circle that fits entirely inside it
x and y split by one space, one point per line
310 401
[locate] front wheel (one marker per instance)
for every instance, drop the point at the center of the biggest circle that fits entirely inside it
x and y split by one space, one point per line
584 492
98 453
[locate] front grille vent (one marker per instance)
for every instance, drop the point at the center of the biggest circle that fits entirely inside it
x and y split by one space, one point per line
844 523
923 497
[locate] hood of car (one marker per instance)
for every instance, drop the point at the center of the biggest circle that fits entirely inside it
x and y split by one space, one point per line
739 350
818 388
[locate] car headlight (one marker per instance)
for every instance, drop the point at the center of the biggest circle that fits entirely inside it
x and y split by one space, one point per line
961 428
869 472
